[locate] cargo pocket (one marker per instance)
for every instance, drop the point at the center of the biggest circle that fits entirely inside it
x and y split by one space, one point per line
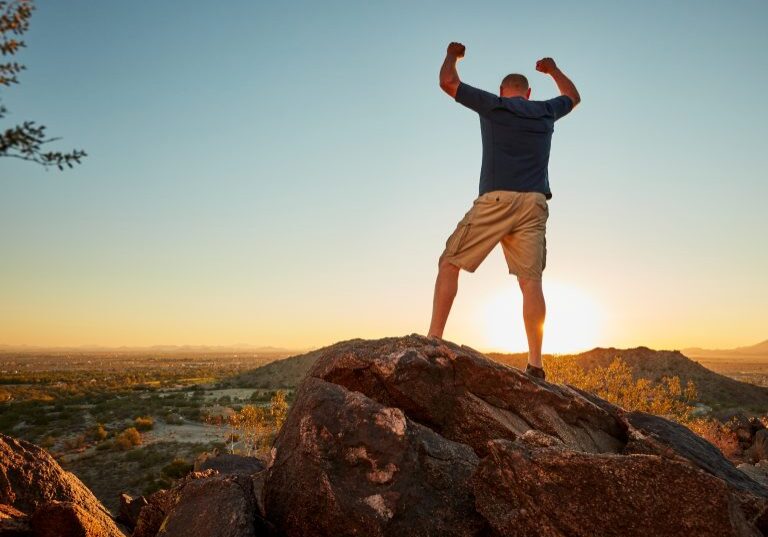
544 206
455 241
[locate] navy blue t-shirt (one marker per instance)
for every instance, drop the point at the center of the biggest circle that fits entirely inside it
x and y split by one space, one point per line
517 134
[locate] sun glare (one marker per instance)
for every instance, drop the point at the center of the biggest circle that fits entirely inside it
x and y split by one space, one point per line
573 322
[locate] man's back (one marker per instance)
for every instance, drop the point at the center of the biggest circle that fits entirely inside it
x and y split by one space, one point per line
512 207
517 135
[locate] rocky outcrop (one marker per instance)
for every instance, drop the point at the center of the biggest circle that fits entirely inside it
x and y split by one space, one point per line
757 471
420 436
66 519
714 389
672 440
522 491
130 508
198 502
748 434
33 483
357 463
205 504
427 435
743 427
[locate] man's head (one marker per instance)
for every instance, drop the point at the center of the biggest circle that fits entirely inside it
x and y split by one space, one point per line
514 85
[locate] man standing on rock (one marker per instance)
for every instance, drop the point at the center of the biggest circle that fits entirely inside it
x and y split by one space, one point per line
512 204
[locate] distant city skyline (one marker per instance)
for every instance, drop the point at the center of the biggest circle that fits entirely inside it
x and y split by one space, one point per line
287 174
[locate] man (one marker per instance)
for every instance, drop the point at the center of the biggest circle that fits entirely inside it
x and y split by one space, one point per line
512 204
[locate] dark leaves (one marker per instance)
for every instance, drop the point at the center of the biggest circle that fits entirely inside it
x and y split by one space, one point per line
24 141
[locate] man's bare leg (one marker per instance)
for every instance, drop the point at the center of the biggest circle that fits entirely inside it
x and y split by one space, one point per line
446 285
534 311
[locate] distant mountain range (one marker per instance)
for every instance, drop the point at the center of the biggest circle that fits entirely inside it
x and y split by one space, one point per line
760 349
244 347
714 389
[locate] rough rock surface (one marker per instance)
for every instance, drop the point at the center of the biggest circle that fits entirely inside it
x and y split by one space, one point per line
420 436
130 509
757 471
66 519
13 523
30 479
522 491
464 396
204 504
347 465
652 434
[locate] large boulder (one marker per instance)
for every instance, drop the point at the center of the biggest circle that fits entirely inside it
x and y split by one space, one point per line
31 480
420 436
204 504
348 465
464 396
556 491
66 519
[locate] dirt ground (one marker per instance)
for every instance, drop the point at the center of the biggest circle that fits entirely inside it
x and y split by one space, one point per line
189 432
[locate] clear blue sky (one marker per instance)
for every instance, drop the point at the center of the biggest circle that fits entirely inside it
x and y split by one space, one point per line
287 173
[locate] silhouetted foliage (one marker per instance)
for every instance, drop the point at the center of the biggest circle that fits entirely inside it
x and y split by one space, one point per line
144 423
668 398
254 427
26 140
128 438
616 383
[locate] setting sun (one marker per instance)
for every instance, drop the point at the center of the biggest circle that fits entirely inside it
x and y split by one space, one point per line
573 322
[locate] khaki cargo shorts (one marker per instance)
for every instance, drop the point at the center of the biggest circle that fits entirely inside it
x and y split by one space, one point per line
516 219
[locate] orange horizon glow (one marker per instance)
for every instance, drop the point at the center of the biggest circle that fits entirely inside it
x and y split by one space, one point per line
574 320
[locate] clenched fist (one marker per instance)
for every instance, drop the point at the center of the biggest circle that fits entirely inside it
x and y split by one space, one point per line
456 50
546 65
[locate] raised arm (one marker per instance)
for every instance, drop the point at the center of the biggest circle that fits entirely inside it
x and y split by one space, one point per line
564 84
449 77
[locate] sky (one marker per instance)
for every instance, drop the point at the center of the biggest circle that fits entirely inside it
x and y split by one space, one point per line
287 173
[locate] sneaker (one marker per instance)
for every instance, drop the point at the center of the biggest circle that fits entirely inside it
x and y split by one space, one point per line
534 371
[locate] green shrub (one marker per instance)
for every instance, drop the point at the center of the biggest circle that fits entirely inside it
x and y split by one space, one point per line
157 484
173 419
191 414
177 469
99 433
75 442
41 418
